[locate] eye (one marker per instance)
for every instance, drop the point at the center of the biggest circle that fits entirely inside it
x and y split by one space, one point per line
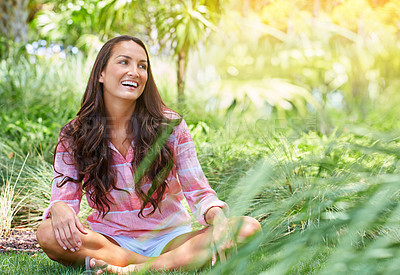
123 62
143 66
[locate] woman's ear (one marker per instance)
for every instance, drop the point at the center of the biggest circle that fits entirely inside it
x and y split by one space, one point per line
101 80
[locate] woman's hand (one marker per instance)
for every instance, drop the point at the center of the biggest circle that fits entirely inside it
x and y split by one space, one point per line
223 237
66 226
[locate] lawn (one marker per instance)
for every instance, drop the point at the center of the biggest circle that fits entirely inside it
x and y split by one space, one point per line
39 263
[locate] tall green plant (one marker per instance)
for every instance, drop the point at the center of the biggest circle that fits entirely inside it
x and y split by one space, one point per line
182 25
342 221
38 96
10 200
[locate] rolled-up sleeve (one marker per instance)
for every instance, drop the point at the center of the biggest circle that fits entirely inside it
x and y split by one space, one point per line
195 187
70 192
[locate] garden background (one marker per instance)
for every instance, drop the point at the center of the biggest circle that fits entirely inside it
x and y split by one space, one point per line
293 107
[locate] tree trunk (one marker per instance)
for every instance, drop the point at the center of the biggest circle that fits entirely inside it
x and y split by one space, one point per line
181 76
316 8
14 19
245 8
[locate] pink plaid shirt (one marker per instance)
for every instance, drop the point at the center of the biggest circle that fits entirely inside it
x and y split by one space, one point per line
186 179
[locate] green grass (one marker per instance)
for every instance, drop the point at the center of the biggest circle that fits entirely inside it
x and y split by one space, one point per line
28 263
39 263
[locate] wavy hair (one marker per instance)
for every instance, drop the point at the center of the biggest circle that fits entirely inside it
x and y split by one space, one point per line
86 138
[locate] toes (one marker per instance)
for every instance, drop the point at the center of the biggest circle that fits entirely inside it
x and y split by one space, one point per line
130 268
104 267
92 262
114 269
97 263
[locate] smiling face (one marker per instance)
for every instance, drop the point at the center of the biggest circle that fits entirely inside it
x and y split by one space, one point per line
125 74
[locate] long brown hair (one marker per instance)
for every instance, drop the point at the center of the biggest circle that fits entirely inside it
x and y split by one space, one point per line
87 134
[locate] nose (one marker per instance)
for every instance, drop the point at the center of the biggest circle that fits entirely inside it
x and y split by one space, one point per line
133 72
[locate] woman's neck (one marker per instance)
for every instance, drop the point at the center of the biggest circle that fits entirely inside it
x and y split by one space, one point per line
119 115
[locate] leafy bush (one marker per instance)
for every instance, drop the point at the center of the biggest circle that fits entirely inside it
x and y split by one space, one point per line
38 95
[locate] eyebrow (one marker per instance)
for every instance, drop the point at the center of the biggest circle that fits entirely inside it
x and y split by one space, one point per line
128 57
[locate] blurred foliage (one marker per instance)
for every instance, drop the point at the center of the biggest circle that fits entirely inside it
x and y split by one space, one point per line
346 69
344 52
38 96
88 24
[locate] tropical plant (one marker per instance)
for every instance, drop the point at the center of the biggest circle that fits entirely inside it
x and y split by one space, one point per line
181 26
276 93
88 24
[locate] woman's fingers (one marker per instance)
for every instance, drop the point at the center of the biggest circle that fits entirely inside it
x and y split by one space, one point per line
218 249
73 237
224 253
59 240
231 250
63 239
66 236
235 251
80 226
222 257
213 259
224 243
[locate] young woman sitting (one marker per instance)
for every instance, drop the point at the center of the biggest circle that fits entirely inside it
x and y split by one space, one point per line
136 161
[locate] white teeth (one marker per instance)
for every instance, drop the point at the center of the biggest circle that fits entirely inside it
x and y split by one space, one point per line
130 83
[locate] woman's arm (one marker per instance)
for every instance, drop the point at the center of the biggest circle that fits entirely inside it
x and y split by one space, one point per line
65 200
202 199
199 195
222 234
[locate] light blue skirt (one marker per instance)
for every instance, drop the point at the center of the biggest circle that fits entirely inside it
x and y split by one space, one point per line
151 247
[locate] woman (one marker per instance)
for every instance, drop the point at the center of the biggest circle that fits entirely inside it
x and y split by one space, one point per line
136 160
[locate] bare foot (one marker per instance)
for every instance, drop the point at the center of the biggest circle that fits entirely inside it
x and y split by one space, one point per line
102 267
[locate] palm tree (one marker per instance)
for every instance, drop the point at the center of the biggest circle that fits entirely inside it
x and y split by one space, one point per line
88 24
182 25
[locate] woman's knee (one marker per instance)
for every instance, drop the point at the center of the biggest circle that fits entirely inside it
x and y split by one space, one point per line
253 225
48 243
45 238
44 234
249 226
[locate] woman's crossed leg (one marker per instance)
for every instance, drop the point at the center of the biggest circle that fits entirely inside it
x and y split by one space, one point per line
188 251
